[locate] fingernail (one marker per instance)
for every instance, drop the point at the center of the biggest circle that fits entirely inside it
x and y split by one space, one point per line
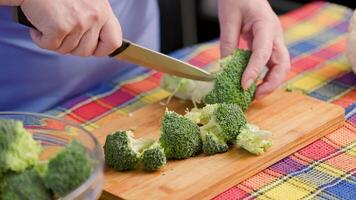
248 84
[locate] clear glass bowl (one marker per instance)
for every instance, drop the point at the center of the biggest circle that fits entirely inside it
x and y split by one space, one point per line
54 134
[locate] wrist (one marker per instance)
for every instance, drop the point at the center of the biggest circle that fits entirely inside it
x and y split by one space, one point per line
11 2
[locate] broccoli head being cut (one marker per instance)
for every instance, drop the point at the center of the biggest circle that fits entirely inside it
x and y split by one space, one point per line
153 158
123 152
226 88
18 150
26 185
180 137
68 169
254 140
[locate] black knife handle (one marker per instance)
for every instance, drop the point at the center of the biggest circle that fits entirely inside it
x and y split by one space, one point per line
22 19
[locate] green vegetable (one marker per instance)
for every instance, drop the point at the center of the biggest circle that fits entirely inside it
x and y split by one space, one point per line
18 150
68 169
153 158
226 88
227 84
254 140
180 138
27 185
221 124
123 152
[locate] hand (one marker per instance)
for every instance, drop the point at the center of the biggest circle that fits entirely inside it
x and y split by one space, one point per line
255 21
80 27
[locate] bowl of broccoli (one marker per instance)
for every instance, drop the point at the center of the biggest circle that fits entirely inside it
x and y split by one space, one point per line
45 158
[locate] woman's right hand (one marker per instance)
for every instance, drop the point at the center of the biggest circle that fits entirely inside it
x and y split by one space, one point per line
80 27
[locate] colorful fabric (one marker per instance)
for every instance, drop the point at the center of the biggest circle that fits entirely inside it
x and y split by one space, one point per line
325 169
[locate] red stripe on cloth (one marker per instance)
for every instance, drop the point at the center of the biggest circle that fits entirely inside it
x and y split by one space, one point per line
317 150
305 63
144 85
232 193
206 57
90 111
117 98
347 99
298 15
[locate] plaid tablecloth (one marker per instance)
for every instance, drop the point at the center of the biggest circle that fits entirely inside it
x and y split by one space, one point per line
326 169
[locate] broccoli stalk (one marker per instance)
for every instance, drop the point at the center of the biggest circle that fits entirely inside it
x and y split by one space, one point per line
180 137
254 140
25 185
18 150
226 87
68 169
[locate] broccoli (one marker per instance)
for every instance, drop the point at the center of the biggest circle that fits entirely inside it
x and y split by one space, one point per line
180 137
226 87
18 150
123 152
153 158
225 120
227 84
68 169
252 139
26 185
213 143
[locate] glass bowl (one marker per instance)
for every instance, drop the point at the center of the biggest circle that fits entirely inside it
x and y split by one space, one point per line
54 134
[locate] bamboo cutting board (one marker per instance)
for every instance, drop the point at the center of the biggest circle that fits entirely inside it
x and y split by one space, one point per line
295 120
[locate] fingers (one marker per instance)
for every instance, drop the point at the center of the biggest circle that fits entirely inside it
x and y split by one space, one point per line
87 43
71 41
279 67
50 41
229 37
110 37
230 28
261 52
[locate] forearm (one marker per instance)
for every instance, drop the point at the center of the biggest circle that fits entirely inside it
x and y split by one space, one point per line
10 2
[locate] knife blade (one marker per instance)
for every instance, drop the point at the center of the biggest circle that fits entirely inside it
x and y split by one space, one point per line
145 57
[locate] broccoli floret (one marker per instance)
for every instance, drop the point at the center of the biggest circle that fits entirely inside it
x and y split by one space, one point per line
226 88
26 185
153 158
123 152
227 84
68 169
254 140
213 143
180 137
18 150
221 119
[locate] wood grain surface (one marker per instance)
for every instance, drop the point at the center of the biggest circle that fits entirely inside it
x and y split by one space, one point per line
295 121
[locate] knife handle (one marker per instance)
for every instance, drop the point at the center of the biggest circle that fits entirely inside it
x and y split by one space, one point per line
22 19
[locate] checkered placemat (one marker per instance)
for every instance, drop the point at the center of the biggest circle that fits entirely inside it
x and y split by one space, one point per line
325 169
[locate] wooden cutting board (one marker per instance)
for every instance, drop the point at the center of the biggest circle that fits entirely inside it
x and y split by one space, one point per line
295 120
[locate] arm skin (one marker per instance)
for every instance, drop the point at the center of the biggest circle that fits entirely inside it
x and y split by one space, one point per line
80 27
255 21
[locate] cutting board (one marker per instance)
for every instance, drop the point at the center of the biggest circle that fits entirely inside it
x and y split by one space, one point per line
295 121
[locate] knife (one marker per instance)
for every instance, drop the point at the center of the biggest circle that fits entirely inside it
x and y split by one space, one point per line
137 54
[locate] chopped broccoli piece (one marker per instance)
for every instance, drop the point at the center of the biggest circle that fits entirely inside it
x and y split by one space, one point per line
213 143
227 84
225 120
18 150
254 140
221 124
180 137
153 158
123 152
26 185
68 169
226 88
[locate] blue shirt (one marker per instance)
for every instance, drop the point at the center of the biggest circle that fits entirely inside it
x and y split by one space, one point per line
34 79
